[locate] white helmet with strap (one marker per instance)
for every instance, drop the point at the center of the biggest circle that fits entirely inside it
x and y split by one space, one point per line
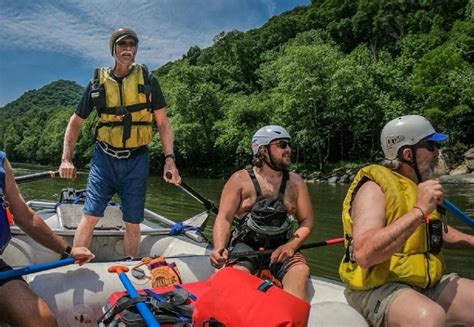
407 131
266 135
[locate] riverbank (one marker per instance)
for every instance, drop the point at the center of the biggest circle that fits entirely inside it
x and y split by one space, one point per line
450 169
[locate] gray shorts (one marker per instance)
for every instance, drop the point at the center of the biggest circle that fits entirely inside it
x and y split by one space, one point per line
374 304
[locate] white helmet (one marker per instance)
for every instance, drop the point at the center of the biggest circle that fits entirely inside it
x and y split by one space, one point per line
407 130
266 135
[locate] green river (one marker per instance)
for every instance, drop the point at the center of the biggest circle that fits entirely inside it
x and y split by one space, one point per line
172 202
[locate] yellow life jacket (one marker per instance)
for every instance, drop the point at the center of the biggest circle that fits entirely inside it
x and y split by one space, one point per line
124 110
412 264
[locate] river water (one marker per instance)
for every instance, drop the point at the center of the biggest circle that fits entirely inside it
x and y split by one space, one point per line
172 202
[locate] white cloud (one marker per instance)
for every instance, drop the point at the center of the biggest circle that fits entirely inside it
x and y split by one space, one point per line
46 40
167 28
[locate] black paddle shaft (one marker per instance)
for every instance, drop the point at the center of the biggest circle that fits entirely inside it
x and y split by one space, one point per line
269 251
37 176
188 189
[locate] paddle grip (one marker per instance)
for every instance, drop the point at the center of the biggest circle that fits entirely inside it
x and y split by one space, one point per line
117 269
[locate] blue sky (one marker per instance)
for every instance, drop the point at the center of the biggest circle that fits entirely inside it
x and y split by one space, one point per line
47 40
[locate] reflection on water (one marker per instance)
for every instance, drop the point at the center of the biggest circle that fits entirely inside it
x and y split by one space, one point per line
175 204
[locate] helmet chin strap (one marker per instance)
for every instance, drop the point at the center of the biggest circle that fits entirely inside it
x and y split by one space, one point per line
412 163
270 163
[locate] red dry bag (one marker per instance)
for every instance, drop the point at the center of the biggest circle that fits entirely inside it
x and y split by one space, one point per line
234 298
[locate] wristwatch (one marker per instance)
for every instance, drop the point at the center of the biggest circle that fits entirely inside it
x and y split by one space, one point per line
67 253
171 155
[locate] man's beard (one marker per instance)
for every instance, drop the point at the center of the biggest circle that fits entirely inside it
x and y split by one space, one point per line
279 163
429 173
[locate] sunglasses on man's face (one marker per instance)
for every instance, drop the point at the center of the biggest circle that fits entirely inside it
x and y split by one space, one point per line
282 144
127 44
431 146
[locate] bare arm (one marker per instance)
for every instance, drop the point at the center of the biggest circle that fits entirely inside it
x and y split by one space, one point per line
455 239
32 224
230 200
27 219
304 213
67 168
166 138
373 241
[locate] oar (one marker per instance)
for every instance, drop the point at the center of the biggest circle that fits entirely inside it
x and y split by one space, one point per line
37 176
188 189
269 251
6 275
235 254
142 308
448 205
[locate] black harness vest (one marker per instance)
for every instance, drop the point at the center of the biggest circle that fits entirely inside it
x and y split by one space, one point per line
267 224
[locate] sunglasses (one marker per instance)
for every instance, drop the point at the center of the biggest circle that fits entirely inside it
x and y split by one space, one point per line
127 44
431 146
282 144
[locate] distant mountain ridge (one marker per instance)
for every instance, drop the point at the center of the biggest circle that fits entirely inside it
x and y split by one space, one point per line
57 93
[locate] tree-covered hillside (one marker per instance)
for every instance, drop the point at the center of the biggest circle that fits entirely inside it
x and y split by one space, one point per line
32 127
332 73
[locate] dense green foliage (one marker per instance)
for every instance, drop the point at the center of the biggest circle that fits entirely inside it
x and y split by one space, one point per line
332 73
32 127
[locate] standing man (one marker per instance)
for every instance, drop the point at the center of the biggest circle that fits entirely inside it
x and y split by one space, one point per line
264 198
393 267
19 306
126 98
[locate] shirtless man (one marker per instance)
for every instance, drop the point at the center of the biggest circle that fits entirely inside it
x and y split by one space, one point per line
264 199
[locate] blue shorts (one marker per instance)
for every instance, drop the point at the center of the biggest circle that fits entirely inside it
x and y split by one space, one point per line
126 177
